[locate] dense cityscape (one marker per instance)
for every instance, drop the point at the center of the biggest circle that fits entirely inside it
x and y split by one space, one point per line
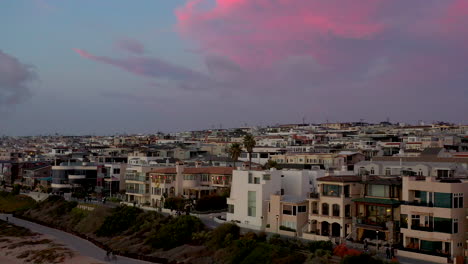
390 186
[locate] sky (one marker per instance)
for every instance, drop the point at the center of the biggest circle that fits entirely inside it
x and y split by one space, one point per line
111 67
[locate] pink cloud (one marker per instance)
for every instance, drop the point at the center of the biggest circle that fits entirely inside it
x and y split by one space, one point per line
130 45
153 68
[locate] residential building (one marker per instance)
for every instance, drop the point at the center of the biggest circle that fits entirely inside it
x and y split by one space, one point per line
188 182
433 218
331 207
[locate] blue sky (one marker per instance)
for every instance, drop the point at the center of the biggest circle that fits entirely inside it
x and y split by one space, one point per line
64 69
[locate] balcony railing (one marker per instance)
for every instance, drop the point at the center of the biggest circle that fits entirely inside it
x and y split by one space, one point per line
431 253
417 203
422 228
136 191
314 195
371 222
136 178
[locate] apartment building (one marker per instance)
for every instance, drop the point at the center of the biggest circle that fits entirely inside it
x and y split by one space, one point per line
75 175
377 210
188 182
433 218
272 200
331 208
137 183
324 160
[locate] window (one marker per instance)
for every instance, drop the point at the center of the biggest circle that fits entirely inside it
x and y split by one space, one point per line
378 190
250 178
372 171
205 177
443 200
336 210
116 171
264 155
266 177
315 208
302 209
252 203
230 208
331 190
455 226
282 191
287 209
189 177
346 191
325 209
257 180
443 225
458 200
347 210
388 172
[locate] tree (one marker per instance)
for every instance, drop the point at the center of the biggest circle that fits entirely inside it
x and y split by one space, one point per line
271 164
249 144
235 151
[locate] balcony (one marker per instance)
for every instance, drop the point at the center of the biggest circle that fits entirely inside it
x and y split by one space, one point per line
368 222
417 203
135 191
314 195
136 178
220 183
422 228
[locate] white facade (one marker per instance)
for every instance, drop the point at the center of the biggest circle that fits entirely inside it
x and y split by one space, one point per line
251 191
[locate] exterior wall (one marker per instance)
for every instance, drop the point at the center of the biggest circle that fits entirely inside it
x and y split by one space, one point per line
239 196
430 184
344 221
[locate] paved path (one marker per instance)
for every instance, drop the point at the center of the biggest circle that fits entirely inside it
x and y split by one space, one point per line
82 246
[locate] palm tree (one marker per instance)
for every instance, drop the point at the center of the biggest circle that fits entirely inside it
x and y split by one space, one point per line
249 144
235 151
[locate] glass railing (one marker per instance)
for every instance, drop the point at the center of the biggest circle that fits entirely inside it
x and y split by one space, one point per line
371 222
136 178
417 203
422 228
137 191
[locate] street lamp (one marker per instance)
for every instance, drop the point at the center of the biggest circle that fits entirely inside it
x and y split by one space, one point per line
377 240
277 223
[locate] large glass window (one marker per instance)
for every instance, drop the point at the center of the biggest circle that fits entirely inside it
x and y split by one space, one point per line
336 210
443 225
325 209
443 200
331 190
252 203
230 208
403 220
378 190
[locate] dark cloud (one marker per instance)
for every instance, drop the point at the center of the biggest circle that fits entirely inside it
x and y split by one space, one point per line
14 79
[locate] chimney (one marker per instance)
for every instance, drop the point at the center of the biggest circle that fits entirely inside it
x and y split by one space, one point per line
180 167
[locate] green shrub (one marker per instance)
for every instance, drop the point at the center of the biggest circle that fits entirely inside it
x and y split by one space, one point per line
211 203
176 232
16 189
285 228
363 258
324 245
174 203
219 234
121 219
